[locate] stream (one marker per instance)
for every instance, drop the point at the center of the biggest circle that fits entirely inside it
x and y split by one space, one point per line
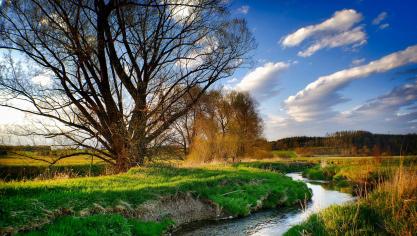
271 222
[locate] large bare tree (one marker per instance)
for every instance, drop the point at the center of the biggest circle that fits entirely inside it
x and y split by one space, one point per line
117 68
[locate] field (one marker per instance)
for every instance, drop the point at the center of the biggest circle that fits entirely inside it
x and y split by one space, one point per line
18 167
157 198
214 191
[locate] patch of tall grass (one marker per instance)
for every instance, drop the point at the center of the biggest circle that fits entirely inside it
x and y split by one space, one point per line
390 209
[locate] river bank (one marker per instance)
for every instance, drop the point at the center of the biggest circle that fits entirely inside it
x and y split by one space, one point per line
274 221
143 201
387 203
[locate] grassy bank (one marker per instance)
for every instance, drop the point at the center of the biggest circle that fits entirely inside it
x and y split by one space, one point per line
387 203
51 205
391 209
282 166
101 224
357 175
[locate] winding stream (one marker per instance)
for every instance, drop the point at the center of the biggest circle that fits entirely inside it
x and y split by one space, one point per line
271 222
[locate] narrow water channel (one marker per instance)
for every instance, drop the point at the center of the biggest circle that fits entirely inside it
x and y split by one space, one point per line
271 222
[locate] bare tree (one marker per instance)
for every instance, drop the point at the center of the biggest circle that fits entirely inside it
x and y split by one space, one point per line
118 68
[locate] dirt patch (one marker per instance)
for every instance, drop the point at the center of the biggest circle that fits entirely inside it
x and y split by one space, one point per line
182 208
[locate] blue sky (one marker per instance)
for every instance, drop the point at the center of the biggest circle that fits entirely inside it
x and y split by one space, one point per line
370 44
323 66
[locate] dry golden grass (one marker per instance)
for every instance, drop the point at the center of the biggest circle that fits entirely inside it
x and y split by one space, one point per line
397 200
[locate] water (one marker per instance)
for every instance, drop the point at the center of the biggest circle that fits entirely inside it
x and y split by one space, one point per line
271 222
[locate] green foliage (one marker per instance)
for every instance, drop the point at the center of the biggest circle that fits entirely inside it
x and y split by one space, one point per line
348 219
98 225
149 228
284 153
282 167
238 190
321 173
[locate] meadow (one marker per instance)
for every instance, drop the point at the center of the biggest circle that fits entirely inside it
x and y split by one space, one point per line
26 166
159 198
55 206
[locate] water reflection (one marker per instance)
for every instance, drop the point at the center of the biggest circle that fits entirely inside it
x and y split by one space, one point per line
273 222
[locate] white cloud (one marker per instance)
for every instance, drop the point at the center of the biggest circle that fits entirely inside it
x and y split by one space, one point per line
393 112
201 51
337 31
355 36
317 99
383 26
339 22
381 16
380 19
358 61
263 80
42 80
388 106
183 10
243 9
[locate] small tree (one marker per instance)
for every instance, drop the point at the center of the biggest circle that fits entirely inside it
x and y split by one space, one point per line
227 127
118 69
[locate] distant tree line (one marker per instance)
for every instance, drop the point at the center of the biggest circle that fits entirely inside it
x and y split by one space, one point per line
350 143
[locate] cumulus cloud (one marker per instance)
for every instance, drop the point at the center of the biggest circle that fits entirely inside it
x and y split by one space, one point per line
381 16
337 31
243 9
317 99
393 112
355 36
263 80
388 106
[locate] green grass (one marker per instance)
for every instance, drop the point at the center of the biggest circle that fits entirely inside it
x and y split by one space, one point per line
98 225
237 190
347 219
279 166
284 153
12 159
387 203
16 167
356 172
321 173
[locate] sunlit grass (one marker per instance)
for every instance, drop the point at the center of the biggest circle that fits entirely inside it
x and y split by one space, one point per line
237 190
389 208
284 153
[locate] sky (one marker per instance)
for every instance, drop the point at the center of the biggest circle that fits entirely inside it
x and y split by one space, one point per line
323 66
326 65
